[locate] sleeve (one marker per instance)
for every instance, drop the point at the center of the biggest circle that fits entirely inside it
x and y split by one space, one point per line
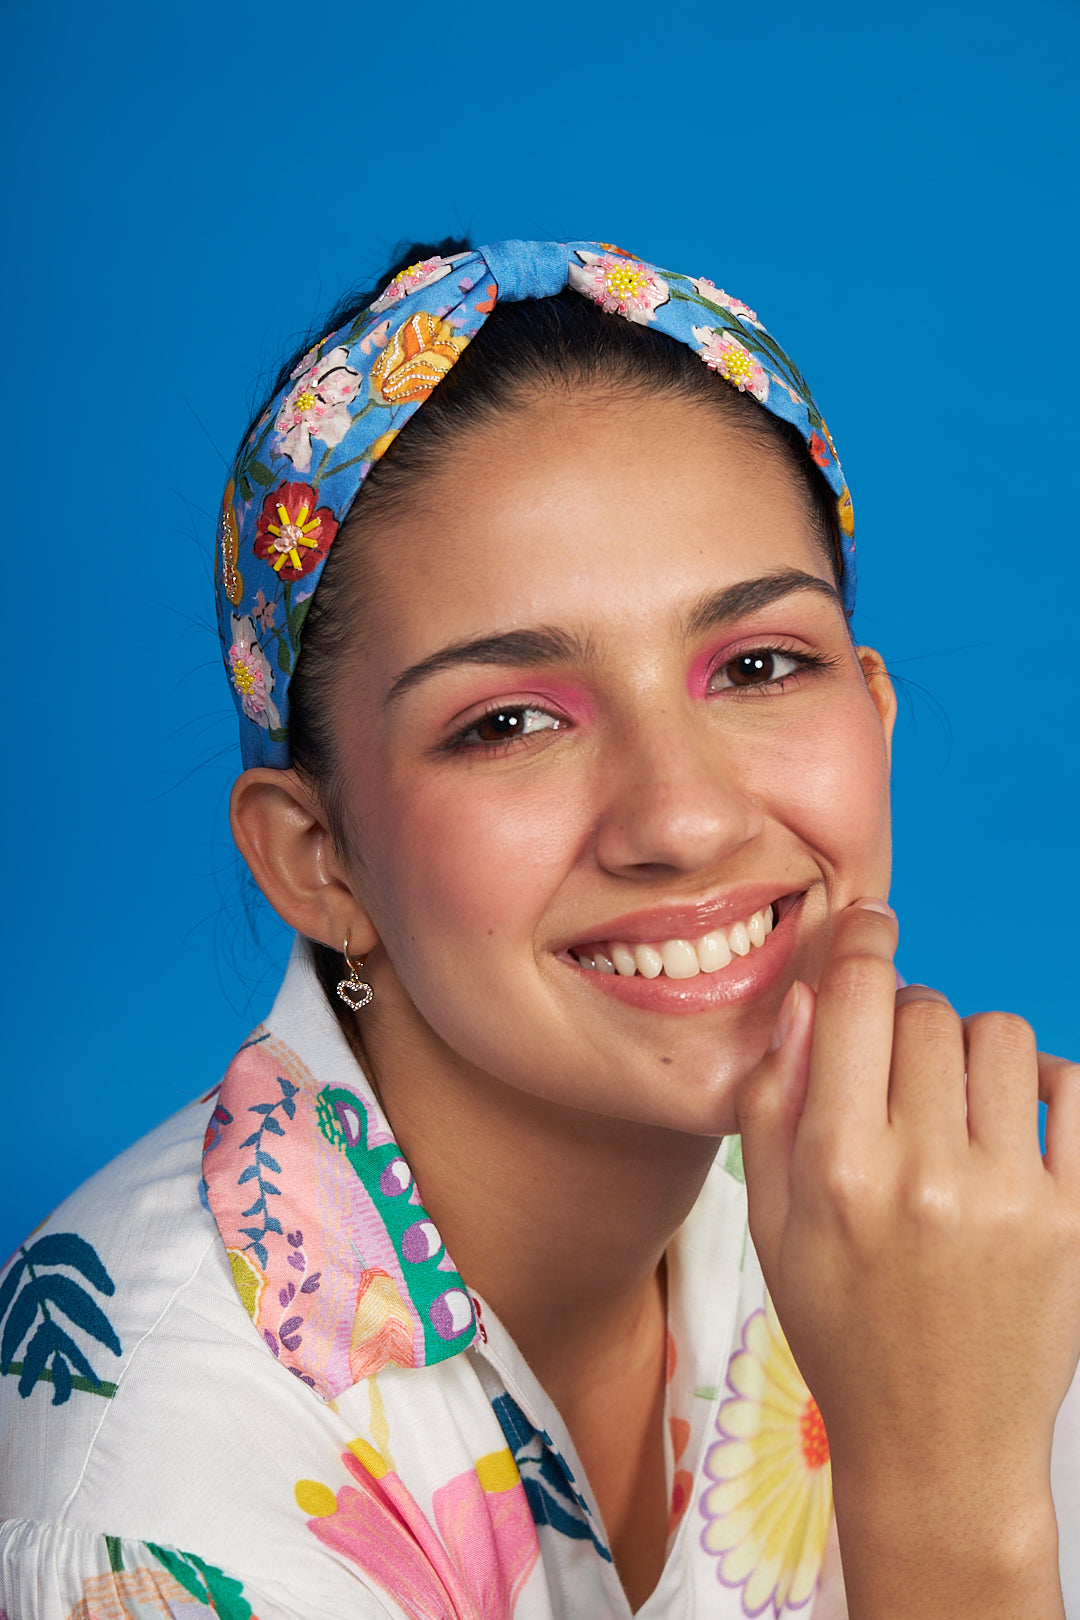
50 1572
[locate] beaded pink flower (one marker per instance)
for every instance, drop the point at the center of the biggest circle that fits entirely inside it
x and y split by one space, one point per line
620 286
723 353
420 274
251 675
317 407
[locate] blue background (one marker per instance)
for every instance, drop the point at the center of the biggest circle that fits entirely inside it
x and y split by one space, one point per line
894 189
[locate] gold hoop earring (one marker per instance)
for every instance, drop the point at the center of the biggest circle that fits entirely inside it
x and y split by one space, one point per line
354 991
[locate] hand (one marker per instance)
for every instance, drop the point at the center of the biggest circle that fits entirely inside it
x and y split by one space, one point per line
924 1261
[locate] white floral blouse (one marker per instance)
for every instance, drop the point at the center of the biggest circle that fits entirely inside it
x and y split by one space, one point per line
242 1377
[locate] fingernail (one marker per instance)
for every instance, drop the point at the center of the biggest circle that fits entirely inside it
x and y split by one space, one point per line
784 1018
876 905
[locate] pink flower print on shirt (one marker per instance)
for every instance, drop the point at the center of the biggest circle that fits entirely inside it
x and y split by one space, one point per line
316 408
620 286
472 1568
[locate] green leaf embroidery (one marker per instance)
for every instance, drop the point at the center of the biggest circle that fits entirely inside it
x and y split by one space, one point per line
260 473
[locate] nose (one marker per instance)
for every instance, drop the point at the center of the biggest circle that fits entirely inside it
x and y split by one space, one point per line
674 800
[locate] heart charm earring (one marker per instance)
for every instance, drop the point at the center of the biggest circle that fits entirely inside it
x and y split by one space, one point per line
354 991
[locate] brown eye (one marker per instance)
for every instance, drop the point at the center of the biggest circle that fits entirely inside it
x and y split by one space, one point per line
751 669
759 667
503 725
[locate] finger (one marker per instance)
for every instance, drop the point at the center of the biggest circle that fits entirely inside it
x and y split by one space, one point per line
768 1105
853 1025
1059 1089
1003 1083
926 1082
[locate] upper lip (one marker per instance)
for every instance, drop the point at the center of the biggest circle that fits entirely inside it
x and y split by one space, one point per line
683 921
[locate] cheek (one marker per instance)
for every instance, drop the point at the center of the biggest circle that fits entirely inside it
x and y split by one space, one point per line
834 787
467 865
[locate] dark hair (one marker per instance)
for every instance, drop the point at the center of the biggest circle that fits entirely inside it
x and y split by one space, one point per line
523 350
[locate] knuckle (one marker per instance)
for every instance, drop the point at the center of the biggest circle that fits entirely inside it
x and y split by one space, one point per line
931 1202
858 976
845 1184
1006 1031
932 1021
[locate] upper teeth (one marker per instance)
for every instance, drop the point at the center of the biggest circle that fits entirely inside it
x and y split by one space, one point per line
680 958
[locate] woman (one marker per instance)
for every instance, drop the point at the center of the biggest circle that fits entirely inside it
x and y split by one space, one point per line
562 763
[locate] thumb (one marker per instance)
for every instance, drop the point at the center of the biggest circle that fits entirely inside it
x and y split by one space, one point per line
768 1107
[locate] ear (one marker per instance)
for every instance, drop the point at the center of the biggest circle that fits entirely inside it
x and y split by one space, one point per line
283 834
881 690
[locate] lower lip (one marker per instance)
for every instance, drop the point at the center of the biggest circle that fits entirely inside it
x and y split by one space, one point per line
744 978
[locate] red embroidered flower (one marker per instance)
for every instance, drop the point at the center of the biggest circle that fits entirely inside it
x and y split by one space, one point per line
819 450
292 534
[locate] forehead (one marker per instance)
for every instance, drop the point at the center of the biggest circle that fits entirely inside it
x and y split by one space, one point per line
589 510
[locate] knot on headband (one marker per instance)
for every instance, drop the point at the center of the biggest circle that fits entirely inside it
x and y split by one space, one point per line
299 471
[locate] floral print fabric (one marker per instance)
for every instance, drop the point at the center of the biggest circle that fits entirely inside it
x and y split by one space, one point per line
300 469
277 1396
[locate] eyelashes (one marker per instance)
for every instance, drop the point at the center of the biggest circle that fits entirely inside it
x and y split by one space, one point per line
762 671
758 669
503 725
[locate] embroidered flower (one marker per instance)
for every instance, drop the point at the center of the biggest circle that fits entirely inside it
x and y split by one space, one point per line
316 407
819 449
471 1564
293 533
264 613
251 675
621 286
420 274
770 1508
846 512
723 353
713 294
419 355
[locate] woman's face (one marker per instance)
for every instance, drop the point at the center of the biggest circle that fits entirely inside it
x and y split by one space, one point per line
603 702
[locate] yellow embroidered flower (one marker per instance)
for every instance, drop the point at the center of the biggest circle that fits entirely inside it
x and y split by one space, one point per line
770 1508
419 355
846 512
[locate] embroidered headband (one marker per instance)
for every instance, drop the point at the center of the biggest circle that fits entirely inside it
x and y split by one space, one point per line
303 463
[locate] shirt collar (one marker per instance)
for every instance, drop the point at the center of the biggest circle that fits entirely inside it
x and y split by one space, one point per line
333 1255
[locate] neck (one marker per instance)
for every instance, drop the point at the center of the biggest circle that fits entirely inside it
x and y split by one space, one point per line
557 1217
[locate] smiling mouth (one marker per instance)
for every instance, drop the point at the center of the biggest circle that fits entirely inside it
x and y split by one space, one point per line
684 958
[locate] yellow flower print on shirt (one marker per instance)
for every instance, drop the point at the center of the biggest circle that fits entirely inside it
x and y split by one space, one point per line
770 1507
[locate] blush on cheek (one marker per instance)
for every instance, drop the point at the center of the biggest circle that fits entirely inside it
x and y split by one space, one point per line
835 784
472 864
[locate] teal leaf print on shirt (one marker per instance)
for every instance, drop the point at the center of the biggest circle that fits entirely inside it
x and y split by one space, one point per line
549 1485
47 1296
265 1161
207 1584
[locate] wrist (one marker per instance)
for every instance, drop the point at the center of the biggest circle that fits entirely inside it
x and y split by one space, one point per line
910 1550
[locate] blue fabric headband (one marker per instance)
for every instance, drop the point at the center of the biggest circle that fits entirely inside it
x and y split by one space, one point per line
299 471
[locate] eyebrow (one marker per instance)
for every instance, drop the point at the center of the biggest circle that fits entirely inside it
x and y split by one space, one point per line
750 595
517 648
547 645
